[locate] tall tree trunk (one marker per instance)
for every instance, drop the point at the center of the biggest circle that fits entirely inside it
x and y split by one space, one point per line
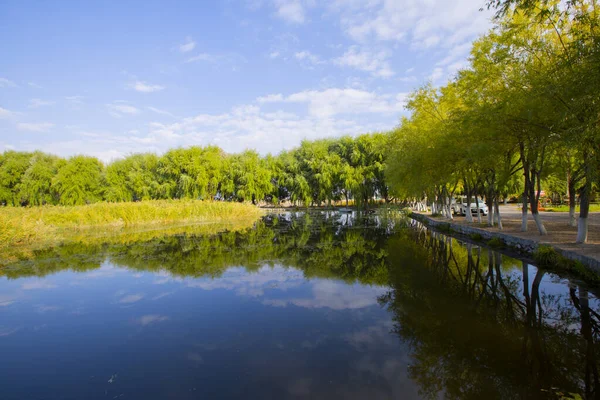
524 213
584 209
477 206
490 205
498 218
572 199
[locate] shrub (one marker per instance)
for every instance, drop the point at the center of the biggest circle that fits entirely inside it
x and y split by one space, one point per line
495 242
476 236
546 256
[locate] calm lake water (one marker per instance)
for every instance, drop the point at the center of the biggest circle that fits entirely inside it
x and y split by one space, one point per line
303 306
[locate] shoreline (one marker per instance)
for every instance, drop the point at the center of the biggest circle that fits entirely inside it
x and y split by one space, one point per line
523 246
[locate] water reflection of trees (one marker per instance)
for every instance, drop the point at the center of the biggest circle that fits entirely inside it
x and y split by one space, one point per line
322 245
478 328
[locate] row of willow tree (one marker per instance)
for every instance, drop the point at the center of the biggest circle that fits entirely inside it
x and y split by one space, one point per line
524 113
316 172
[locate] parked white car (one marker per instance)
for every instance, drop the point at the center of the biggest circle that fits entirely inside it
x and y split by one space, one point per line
483 209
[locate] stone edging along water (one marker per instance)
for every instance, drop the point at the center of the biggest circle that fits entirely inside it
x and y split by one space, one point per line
524 246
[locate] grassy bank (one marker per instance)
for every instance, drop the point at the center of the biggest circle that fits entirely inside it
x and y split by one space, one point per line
23 230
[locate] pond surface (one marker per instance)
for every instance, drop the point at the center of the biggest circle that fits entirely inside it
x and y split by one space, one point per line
302 306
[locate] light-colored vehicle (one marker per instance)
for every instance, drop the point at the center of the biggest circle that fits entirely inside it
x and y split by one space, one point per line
483 209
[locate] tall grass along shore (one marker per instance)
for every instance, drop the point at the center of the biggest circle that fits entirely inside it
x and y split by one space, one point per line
39 227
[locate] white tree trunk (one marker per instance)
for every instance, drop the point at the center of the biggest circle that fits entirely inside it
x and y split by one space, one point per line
582 230
468 215
497 214
478 213
539 224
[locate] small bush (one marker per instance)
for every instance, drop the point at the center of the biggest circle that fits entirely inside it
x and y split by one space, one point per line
546 256
476 236
495 242
444 228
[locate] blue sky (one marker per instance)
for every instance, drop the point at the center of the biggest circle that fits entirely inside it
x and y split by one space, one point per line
110 78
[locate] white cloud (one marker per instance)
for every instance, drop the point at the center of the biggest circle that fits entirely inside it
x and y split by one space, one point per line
35 103
161 112
145 87
271 98
330 102
308 57
7 83
376 64
283 123
75 99
291 11
436 74
423 23
118 108
202 57
35 127
34 85
274 54
5 114
189 45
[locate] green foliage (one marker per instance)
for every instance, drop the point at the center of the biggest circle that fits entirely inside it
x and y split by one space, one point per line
476 236
78 181
546 256
495 242
315 173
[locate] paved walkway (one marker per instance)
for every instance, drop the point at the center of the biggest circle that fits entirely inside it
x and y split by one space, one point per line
560 234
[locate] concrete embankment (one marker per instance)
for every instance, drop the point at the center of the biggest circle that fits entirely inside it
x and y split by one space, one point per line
520 245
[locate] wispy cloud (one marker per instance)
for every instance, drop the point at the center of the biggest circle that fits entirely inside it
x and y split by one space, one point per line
75 99
145 87
308 57
376 64
34 85
189 45
330 102
292 11
35 103
202 57
161 112
7 83
5 114
119 108
35 126
436 74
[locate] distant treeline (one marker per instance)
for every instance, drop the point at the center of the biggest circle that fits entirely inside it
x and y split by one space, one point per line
316 172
